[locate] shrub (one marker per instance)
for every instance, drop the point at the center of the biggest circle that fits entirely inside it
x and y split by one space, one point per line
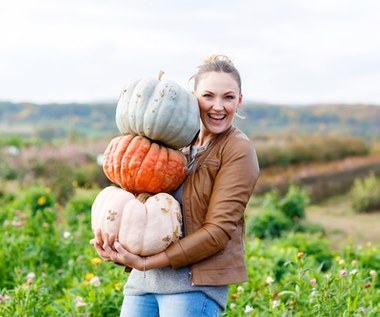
280 214
38 198
365 194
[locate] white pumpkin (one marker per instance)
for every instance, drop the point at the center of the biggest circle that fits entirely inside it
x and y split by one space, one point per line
160 110
143 227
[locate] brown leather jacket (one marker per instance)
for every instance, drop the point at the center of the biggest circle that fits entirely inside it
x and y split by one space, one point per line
214 199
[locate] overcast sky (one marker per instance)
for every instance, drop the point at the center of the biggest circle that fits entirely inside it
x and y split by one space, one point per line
288 51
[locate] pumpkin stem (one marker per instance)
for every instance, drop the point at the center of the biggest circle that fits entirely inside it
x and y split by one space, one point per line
143 197
160 74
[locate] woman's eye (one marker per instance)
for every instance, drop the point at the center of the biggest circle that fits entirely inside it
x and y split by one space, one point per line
230 97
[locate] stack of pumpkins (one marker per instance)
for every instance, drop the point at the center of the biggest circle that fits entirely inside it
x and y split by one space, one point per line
156 118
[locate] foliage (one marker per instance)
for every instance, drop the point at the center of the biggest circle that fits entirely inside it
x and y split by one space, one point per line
48 267
279 214
287 280
365 194
62 168
291 149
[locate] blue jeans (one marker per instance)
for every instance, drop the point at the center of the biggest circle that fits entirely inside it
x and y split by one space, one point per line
190 304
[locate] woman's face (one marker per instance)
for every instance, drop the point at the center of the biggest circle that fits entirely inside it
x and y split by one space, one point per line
218 97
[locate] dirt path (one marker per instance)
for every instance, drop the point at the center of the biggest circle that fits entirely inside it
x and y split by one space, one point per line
343 224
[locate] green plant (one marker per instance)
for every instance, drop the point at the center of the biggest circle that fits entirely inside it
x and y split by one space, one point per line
365 194
279 214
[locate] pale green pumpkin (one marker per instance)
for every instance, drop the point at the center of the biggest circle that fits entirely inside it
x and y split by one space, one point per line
160 110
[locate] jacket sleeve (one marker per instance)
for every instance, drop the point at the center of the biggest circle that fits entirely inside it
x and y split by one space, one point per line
232 189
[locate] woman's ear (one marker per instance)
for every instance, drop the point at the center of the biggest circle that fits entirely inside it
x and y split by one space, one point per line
240 101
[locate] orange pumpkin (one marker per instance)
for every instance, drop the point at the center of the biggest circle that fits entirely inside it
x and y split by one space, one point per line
138 165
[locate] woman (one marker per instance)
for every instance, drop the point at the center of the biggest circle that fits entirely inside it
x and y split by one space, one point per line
191 277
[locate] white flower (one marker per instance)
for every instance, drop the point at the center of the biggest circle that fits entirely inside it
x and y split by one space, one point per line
232 305
248 309
353 272
66 234
79 302
100 159
95 281
31 275
275 303
240 289
269 280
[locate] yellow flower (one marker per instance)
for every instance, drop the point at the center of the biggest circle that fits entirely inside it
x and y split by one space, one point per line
373 273
89 276
41 200
300 255
96 261
117 287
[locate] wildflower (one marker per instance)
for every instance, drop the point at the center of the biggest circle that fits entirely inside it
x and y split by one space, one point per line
275 303
373 273
79 302
95 281
100 159
18 223
89 276
31 275
4 298
361 309
341 262
343 273
66 234
313 281
269 280
232 305
353 272
240 289
96 261
234 295
117 287
248 309
45 225
367 285
354 263
41 200
300 255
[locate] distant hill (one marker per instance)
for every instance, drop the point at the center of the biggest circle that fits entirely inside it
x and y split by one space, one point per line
358 120
98 119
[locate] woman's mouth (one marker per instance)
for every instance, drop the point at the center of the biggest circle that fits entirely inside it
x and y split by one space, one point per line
217 116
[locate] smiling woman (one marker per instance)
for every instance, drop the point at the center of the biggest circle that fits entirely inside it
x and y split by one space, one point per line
194 272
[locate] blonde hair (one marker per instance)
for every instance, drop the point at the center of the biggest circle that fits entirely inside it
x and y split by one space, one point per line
219 64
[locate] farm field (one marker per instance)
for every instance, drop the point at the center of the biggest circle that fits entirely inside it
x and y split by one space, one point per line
343 224
305 257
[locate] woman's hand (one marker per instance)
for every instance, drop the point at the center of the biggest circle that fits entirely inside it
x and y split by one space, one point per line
111 250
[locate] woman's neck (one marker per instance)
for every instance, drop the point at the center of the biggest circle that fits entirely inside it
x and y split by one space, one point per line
204 139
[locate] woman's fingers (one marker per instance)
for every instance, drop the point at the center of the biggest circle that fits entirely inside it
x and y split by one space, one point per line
98 237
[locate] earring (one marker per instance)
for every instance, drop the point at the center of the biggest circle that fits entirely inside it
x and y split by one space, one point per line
240 116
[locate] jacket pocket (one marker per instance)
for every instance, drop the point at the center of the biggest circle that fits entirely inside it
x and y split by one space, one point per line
207 172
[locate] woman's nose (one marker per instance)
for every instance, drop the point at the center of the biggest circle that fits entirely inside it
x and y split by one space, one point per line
218 104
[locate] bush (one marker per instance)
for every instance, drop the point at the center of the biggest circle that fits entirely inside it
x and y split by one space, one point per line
280 214
365 194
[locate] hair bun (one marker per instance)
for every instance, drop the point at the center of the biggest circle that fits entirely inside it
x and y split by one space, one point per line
218 58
